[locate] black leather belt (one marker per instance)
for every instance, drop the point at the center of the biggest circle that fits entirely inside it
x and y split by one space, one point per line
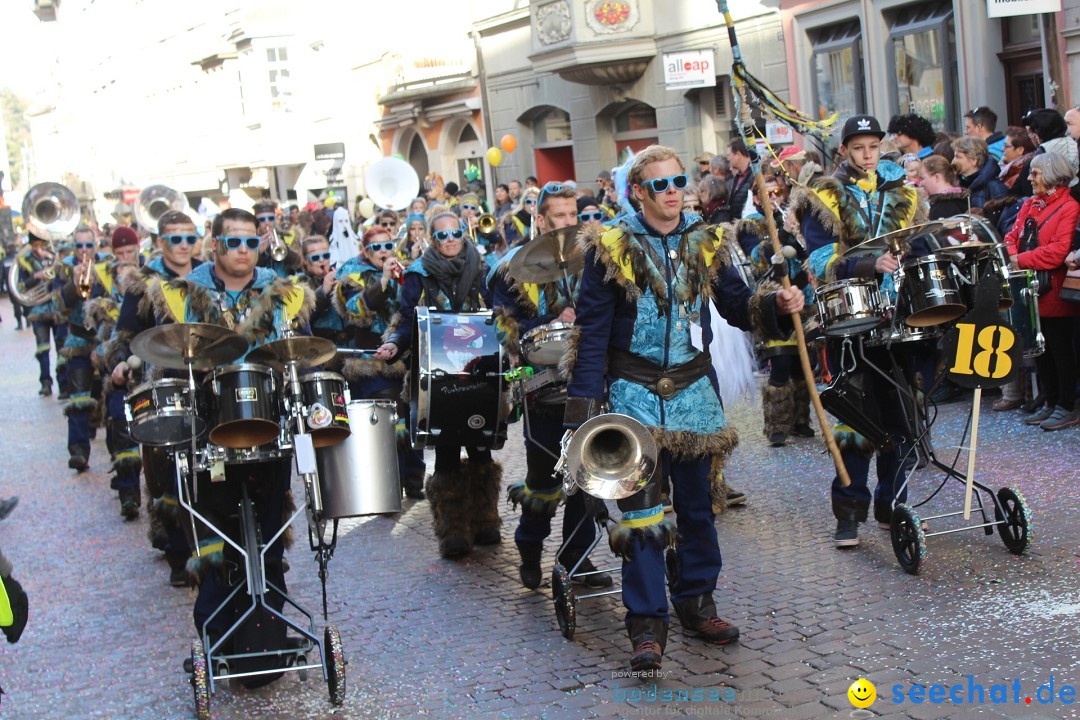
665 382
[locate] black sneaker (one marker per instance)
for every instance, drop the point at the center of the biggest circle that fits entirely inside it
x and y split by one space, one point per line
46 388
529 569
79 460
647 656
7 505
847 533
597 581
802 430
778 439
734 497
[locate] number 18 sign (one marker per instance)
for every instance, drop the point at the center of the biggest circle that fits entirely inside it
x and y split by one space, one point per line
983 351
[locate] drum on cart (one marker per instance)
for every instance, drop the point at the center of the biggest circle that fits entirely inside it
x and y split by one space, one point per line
849 307
323 395
245 409
1023 314
930 293
546 345
359 476
159 413
457 393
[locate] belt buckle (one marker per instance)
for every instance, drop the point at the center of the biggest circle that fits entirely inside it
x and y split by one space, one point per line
665 388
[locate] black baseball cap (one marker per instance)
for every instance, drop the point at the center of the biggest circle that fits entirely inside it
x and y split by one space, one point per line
861 125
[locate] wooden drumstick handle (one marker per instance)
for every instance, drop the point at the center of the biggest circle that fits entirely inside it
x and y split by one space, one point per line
800 338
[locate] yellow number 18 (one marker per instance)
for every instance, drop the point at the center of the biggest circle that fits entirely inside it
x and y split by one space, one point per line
964 365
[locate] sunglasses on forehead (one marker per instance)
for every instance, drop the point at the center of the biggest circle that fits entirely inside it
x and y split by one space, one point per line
379 246
444 235
176 240
661 184
233 243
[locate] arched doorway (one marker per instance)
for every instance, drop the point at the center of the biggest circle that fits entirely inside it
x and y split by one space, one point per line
553 147
417 156
466 152
635 129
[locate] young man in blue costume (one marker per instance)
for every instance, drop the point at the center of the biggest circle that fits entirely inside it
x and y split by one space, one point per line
78 345
643 320
864 198
45 318
177 238
519 308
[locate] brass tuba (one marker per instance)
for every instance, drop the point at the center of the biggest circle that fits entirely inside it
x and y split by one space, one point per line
51 212
156 200
610 457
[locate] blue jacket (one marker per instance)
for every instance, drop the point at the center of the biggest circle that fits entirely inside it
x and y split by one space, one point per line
984 184
420 285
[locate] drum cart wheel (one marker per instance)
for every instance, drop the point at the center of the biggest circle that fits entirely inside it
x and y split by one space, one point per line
562 592
908 540
335 665
1013 525
200 680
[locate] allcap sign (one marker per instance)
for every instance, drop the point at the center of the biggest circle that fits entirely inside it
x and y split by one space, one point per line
1007 8
689 68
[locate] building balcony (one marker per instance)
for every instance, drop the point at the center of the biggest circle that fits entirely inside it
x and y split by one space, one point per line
598 42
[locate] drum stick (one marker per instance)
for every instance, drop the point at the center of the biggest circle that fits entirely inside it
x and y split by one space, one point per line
976 402
357 351
800 338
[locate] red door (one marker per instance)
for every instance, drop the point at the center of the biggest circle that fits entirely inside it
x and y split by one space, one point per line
554 164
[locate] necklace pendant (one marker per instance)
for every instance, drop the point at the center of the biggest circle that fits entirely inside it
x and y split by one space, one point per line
673 254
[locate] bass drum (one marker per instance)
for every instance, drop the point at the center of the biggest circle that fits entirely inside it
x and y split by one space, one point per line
360 475
456 390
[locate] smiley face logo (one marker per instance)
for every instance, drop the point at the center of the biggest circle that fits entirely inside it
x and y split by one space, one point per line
862 693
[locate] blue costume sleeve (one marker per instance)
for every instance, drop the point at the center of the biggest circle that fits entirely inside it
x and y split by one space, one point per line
410 297
595 317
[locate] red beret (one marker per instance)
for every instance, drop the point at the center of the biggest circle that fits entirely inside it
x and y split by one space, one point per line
123 236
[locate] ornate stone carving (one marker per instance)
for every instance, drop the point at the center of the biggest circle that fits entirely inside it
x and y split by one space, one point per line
607 17
553 23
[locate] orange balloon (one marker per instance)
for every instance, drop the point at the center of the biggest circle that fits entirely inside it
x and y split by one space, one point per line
509 143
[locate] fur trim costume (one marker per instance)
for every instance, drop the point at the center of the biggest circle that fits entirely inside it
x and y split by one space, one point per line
369 312
648 294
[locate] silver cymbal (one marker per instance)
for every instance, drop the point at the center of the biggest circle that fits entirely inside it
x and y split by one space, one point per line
897 240
177 345
544 258
304 350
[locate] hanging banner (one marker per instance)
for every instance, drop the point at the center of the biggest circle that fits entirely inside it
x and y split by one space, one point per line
1008 8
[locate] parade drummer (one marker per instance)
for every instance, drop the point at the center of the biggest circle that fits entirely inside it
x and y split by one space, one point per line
45 318
519 308
464 497
233 292
78 286
864 198
367 298
643 317
175 256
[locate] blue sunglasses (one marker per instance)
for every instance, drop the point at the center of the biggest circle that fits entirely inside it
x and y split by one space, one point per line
444 235
175 240
594 216
233 243
661 184
84 246
376 247
318 257
266 218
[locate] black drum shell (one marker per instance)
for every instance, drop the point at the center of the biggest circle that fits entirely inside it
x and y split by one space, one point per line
159 413
327 390
930 293
245 408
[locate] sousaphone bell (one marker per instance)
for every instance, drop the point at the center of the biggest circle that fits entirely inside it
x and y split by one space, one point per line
611 457
156 200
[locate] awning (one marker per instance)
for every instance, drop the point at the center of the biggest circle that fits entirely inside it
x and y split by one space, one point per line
315 173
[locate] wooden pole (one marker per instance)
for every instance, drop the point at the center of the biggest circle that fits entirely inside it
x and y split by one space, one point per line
800 338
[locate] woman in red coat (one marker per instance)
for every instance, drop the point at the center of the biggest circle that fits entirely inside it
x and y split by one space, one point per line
1054 212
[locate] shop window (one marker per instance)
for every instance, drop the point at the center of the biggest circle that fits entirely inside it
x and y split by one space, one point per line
552 127
837 65
635 129
924 46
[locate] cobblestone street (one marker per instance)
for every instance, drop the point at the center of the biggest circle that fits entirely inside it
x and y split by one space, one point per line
427 637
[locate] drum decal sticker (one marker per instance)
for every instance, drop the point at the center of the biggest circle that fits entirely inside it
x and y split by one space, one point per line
319 416
247 394
338 400
476 421
140 405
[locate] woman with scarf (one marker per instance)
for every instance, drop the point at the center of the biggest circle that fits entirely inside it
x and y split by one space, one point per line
977 170
1051 214
1016 154
464 496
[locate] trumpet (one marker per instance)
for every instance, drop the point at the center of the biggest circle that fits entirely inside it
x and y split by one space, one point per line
84 284
278 249
486 223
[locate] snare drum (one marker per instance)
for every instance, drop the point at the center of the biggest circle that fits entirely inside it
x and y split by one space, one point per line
159 413
930 293
886 335
849 307
245 410
359 476
323 394
1023 314
457 393
546 345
